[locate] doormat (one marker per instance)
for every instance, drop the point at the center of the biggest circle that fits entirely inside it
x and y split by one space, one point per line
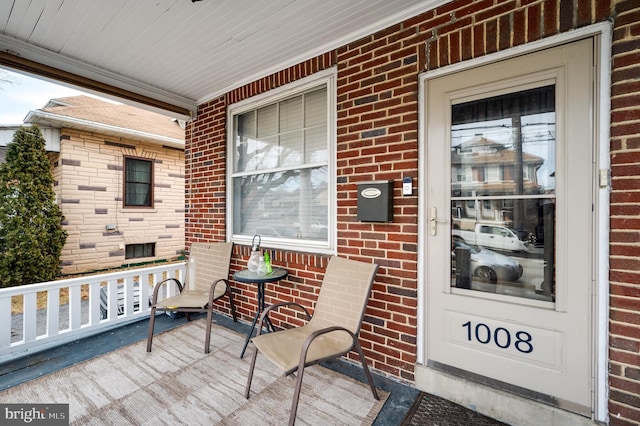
431 410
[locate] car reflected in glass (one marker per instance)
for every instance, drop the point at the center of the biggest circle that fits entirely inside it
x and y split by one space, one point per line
486 264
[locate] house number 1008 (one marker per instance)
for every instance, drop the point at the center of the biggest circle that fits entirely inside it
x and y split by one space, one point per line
481 333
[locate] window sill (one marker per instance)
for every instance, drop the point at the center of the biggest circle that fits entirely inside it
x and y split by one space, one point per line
138 210
306 246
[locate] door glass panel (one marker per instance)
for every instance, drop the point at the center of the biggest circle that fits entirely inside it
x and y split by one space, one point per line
503 194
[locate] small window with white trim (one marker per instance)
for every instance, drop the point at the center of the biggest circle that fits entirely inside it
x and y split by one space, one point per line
280 166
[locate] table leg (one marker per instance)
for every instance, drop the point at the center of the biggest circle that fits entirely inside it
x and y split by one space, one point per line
261 306
253 325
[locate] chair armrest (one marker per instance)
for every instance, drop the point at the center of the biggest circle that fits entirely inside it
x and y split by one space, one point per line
212 289
311 337
156 288
270 308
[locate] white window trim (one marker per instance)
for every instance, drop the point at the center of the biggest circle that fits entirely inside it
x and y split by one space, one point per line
327 77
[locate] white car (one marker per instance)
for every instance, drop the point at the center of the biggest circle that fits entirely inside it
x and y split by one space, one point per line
274 214
487 264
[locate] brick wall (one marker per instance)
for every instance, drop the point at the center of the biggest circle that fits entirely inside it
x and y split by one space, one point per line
624 329
377 128
89 179
378 140
205 163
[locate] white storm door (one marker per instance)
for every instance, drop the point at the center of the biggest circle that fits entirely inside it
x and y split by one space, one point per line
509 154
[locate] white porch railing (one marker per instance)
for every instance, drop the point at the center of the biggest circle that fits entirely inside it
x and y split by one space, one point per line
40 328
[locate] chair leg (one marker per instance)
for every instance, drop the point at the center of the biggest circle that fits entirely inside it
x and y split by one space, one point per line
232 304
247 389
152 321
296 396
207 338
366 370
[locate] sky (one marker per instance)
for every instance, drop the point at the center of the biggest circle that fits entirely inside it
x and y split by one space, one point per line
24 94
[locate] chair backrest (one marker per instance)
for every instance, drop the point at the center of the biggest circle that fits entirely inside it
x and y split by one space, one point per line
207 263
344 294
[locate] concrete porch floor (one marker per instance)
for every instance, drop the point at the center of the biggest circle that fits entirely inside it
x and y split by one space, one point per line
404 406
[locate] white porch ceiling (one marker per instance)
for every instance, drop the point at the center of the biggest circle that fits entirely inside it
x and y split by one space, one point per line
183 52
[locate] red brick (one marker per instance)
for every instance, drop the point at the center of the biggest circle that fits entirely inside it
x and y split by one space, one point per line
491 34
504 32
533 22
454 26
473 8
519 27
549 17
624 250
478 40
432 54
625 345
625 60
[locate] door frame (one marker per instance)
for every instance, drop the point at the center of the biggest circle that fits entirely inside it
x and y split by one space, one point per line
602 34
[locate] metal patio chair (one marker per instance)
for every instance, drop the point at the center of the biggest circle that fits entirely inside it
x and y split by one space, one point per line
331 332
206 280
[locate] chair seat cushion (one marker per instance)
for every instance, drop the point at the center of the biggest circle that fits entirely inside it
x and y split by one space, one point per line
190 299
283 348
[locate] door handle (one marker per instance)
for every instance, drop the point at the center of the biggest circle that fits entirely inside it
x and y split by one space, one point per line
433 221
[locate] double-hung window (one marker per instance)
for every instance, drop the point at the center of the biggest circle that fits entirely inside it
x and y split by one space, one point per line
138 185
281 167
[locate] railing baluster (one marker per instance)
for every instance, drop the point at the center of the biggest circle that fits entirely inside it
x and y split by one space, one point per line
112 291
5 321
157 277
29 321
128 295
53 312
144 291
94 302
75 314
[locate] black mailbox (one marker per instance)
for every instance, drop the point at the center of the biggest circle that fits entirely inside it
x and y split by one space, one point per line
375 201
